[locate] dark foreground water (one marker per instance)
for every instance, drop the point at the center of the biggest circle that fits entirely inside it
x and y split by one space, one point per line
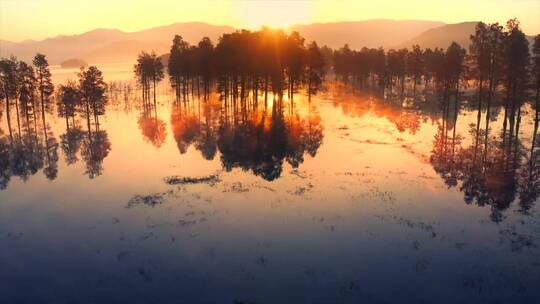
346 198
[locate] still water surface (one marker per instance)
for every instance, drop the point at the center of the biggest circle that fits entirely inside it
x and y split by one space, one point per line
339 199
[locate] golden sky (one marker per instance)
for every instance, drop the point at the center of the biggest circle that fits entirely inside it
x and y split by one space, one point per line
39 19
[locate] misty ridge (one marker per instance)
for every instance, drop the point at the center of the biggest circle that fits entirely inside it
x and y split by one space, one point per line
112 45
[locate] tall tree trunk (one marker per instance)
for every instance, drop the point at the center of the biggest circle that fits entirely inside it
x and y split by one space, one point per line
456 112
41 95
46 137
505 121
88 117
9 119
478 119
198 92
292 90
154 80
536 110
266 91
535 130
18 118
414 87
488 117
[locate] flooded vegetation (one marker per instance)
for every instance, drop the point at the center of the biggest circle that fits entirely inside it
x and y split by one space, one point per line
215 175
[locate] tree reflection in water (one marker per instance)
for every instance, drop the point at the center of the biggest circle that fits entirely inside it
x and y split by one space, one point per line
491 168
247 135
70 143
152 127
94 150
29 149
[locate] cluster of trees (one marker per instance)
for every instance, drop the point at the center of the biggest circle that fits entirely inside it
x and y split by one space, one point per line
494 168
29 89
491 170
251 63
148 71
26 89
27 92
498 65
87 98
392 69
241 63
243 66
498 57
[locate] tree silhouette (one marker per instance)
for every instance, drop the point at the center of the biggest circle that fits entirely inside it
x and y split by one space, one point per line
68 101
96 145
536 83
244 64
27 83
45 90
93 93
45 86
149 71
536 74
515 78
205 63
397 67
178 65
295 60
315 70
9 82
415 65
479 59
342 62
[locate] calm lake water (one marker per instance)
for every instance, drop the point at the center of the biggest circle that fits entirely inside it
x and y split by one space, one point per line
344 198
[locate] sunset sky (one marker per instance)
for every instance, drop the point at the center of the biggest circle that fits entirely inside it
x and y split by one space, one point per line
39 19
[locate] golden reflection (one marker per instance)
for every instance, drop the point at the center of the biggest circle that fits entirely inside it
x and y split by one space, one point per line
358 104
153 129
248 135
245 132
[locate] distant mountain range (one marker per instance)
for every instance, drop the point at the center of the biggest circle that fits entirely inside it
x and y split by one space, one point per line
442 36
111 45
369 33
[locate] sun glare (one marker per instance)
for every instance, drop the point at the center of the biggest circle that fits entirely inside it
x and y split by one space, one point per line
276 14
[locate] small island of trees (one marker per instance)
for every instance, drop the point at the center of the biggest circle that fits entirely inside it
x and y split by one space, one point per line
73 64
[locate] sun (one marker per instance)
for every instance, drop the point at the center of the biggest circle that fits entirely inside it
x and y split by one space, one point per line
276 14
